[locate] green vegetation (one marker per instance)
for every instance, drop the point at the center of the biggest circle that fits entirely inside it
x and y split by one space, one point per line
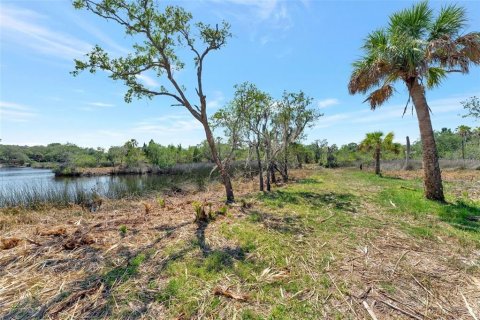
472 106
377 143
69 158
418 50
300 250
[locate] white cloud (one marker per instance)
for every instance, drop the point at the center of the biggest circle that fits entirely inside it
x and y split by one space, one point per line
325 103
101 104
112 45
13 112
147 80
24 28
387 113
215 101
167 124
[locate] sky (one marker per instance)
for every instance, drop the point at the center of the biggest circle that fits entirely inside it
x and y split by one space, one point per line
278 45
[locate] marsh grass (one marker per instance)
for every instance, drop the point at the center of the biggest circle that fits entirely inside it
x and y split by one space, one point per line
37 195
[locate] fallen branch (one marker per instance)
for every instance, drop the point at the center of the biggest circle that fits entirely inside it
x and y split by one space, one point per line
470 310
400 310
33 242
369 310
218 291
343 295
398 261
327 218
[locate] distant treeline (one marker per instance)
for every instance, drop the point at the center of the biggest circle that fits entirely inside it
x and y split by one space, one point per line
451 145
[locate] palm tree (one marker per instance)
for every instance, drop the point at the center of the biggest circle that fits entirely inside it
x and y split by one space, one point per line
373 142
419 50
464 132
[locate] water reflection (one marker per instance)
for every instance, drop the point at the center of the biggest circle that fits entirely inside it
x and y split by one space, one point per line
29 187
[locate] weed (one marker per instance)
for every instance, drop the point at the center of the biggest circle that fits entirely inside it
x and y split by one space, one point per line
161 202
123 230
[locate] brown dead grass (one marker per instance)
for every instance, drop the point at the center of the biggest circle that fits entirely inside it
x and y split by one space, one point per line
65 246
396 275
405 277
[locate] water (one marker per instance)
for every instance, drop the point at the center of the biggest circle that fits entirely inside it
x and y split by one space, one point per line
28 187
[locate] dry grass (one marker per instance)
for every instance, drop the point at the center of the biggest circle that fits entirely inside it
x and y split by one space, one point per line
323 248
57 250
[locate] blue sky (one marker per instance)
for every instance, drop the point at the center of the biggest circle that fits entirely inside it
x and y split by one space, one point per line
278 45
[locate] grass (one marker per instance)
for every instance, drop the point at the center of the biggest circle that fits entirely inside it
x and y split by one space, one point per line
304 251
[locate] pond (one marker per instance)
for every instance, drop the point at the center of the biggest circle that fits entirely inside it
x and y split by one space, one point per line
28 186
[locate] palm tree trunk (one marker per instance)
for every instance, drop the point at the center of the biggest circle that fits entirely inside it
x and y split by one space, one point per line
463 149
377 160
260 168
227 183
431 168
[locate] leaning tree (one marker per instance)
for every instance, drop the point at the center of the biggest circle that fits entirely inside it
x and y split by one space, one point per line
159 36
419 50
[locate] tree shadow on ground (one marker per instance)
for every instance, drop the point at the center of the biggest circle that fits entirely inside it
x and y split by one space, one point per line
309 181
461 215
340 201
220 257
281 223
102 284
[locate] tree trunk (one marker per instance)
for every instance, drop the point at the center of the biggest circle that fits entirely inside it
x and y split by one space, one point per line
272 173
269 187
285 165
407 155
377 160
260 168
431 168
463 149
227 183
299 160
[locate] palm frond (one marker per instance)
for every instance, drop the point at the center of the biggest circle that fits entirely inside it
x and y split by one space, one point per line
435 77
371 141
470 46
450 21
376 41
379 96
368 73
413 21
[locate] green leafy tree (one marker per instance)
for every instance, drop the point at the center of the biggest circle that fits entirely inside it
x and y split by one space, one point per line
472 106
116 155
319 149
243 119
293 117
133 154
376 142
419 50
159 37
